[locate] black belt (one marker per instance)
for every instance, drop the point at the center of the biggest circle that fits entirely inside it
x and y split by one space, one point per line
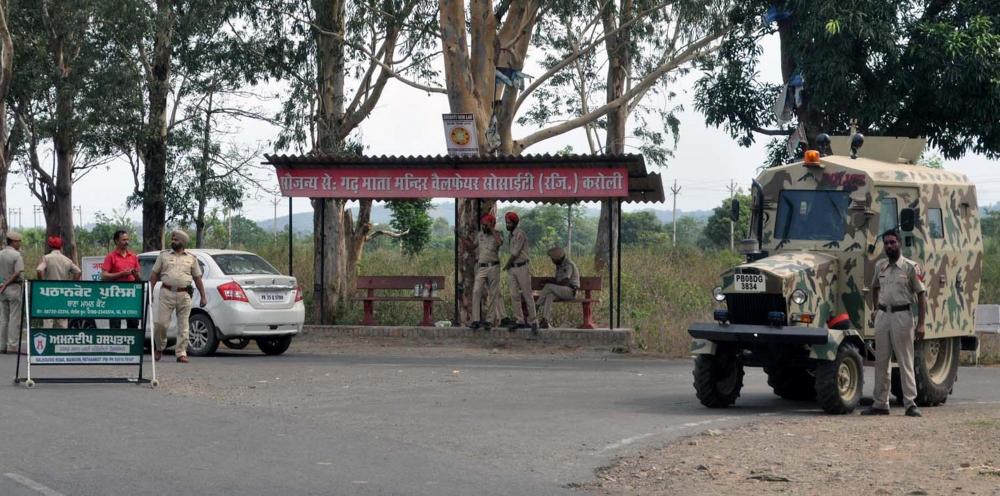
522 264
483 265
894 308
186 289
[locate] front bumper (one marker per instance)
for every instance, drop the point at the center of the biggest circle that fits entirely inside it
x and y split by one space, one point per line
744 333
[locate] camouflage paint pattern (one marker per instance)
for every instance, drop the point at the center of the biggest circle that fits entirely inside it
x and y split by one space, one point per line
837 274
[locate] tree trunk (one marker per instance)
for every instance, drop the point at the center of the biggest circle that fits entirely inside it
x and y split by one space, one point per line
806 114
6 73
203 171
619 68
154 211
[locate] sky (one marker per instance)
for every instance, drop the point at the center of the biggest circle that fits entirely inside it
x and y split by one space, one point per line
408 122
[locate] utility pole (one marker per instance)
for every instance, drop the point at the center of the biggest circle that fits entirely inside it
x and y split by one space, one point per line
79 212
274 222
673 216
34 214
11 212
569 230
732 224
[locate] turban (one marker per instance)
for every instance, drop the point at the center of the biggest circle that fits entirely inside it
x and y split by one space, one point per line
511 217
488 219
55 242
181 235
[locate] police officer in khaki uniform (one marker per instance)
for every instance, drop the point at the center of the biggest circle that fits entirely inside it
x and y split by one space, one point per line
897 281
57 267
567 282
488 242
11 292
177 269
520 274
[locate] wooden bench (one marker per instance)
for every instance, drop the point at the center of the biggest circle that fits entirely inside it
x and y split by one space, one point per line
587 284
398 283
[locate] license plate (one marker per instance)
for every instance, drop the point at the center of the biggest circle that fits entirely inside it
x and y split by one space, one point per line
272 297
749 283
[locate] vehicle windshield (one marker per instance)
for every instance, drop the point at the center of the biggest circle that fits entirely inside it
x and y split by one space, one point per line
236 264
812 215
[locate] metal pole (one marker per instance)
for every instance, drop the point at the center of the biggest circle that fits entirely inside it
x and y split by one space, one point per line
618 292
290 231
673 216
569 229
320 287
455 320
611 265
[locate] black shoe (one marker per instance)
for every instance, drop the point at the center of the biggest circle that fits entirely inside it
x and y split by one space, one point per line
474 325
913 411
487 326
544 324
534 329
508 322
875 411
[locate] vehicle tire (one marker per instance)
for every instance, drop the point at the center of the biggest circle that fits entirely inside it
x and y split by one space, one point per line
202 340
792 383
274 345
718 378
839 382
935 367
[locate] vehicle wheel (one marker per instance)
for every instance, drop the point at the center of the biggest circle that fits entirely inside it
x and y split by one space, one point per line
792 383
202 340
236 343
274 345
839 382
935 367
718 378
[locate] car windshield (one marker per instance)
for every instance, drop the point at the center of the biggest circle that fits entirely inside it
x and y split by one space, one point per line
235 264
812 215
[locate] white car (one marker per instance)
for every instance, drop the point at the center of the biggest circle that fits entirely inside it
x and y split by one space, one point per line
247 300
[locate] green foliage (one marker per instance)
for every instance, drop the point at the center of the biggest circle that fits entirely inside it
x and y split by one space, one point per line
547 226
641 228
101 235
858 60
411 216
689 232
717 227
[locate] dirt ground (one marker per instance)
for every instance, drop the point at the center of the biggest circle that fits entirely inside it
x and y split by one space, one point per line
952 450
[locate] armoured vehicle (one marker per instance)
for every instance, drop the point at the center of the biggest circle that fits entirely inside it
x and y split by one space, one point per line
800 305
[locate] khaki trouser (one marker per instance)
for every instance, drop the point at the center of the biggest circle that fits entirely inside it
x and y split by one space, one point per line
894 335
553 292
520 291
10 315
488 277
171 301
55 323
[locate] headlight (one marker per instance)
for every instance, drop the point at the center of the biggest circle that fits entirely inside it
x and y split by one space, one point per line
799 296
718 295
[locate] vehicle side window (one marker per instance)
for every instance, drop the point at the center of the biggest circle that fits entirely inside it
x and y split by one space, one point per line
935 223
145 267
888 215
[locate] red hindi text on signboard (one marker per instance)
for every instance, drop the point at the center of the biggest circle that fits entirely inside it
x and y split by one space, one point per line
506 183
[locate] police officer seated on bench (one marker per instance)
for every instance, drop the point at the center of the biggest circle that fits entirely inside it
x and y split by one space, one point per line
567 282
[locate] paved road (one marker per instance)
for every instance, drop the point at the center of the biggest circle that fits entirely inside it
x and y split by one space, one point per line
364 423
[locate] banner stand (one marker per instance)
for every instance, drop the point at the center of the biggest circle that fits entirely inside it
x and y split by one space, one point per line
67 347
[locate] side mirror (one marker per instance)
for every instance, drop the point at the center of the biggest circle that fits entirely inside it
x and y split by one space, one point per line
734 213
907 219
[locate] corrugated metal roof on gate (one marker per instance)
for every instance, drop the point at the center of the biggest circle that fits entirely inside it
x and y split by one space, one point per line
643 187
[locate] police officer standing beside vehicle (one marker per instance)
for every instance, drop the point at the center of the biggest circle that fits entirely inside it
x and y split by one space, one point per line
57 267
567 282
897 281
520 274
11 292
177 269
487 247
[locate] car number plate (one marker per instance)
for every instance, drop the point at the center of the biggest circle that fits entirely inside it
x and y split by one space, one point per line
272 297
749 283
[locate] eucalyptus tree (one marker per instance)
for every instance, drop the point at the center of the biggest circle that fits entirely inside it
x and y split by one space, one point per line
7 144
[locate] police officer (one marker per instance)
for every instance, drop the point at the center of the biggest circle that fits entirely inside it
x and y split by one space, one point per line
57 267
567 282
897 281
11 293
520 274
177 269
488 242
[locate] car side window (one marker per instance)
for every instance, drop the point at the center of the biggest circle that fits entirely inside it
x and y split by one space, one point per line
145 267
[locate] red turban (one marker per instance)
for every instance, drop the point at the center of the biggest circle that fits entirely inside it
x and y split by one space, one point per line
488 219
55 242
511 217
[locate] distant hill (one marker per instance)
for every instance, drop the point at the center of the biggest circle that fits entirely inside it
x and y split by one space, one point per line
303 222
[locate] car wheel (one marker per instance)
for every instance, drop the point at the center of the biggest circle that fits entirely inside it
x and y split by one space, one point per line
202 340
274 345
